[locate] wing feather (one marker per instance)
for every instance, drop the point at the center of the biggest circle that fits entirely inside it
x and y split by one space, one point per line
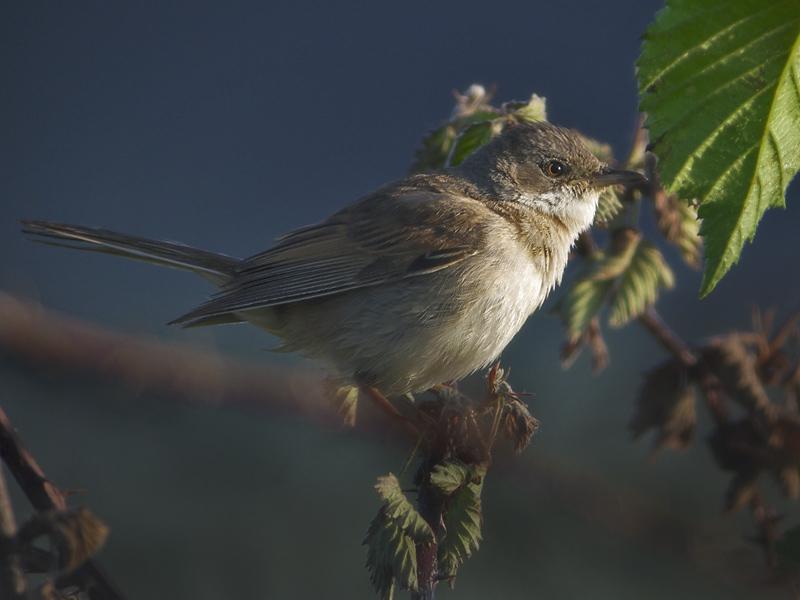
386 237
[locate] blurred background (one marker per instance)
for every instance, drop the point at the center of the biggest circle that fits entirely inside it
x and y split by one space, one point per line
223 125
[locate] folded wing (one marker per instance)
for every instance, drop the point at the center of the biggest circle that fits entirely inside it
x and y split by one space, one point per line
383 238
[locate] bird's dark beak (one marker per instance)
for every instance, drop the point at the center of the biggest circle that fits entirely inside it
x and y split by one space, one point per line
610 176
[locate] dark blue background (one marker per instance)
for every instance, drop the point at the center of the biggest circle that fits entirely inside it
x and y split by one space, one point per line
224 125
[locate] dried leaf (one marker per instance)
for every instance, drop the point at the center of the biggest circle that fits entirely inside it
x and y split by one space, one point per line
666 403
741 490
735 366
678 222
77 535
518 424
789 477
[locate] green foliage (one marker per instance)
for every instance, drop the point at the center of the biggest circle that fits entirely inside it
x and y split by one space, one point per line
473 124
608 206
720 83
392 538
462 486
472 138
637 288
628 278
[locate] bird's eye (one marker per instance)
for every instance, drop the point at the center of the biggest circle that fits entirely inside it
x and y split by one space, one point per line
555 168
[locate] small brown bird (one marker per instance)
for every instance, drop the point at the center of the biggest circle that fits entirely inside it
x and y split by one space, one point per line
421 282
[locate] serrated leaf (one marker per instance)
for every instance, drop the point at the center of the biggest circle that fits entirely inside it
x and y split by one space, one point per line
720 83
589 293
391 555
398 507
462 520
638 286
608 206
666 403
450 475
392 539
728 357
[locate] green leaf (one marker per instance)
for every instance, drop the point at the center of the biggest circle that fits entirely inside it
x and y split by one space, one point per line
392 539
533 110
472 138
639 285
391 555
401 510
462 520
608 206
583 301
435 148
720 83
449 476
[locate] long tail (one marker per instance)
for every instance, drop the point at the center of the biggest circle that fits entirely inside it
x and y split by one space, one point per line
218 268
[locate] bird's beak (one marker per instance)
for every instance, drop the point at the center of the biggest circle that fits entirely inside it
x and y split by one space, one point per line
610 176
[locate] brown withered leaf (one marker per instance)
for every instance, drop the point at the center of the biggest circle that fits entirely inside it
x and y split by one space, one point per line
742 489
677 220
729 358
77 534
789 478
519 424
666 403
591 336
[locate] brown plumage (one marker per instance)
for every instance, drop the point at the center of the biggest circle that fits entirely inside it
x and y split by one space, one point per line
424 280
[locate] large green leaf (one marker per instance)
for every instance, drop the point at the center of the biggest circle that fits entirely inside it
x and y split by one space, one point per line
720 83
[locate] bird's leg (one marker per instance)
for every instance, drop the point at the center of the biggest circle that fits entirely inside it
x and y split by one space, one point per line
386 406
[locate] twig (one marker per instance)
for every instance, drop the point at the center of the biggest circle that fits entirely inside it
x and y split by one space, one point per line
44 496
12 581
667 337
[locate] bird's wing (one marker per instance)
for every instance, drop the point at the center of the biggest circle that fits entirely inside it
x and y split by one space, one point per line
385 237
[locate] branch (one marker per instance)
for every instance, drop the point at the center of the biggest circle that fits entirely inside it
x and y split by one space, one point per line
12 581
45 496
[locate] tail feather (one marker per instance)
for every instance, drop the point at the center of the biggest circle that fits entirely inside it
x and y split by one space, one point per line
218 268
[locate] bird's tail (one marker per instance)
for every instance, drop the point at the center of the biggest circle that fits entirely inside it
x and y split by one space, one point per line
218 268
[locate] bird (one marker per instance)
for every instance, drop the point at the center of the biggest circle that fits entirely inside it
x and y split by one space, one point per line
421 282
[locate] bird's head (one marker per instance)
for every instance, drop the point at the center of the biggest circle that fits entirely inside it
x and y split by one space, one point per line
546 168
